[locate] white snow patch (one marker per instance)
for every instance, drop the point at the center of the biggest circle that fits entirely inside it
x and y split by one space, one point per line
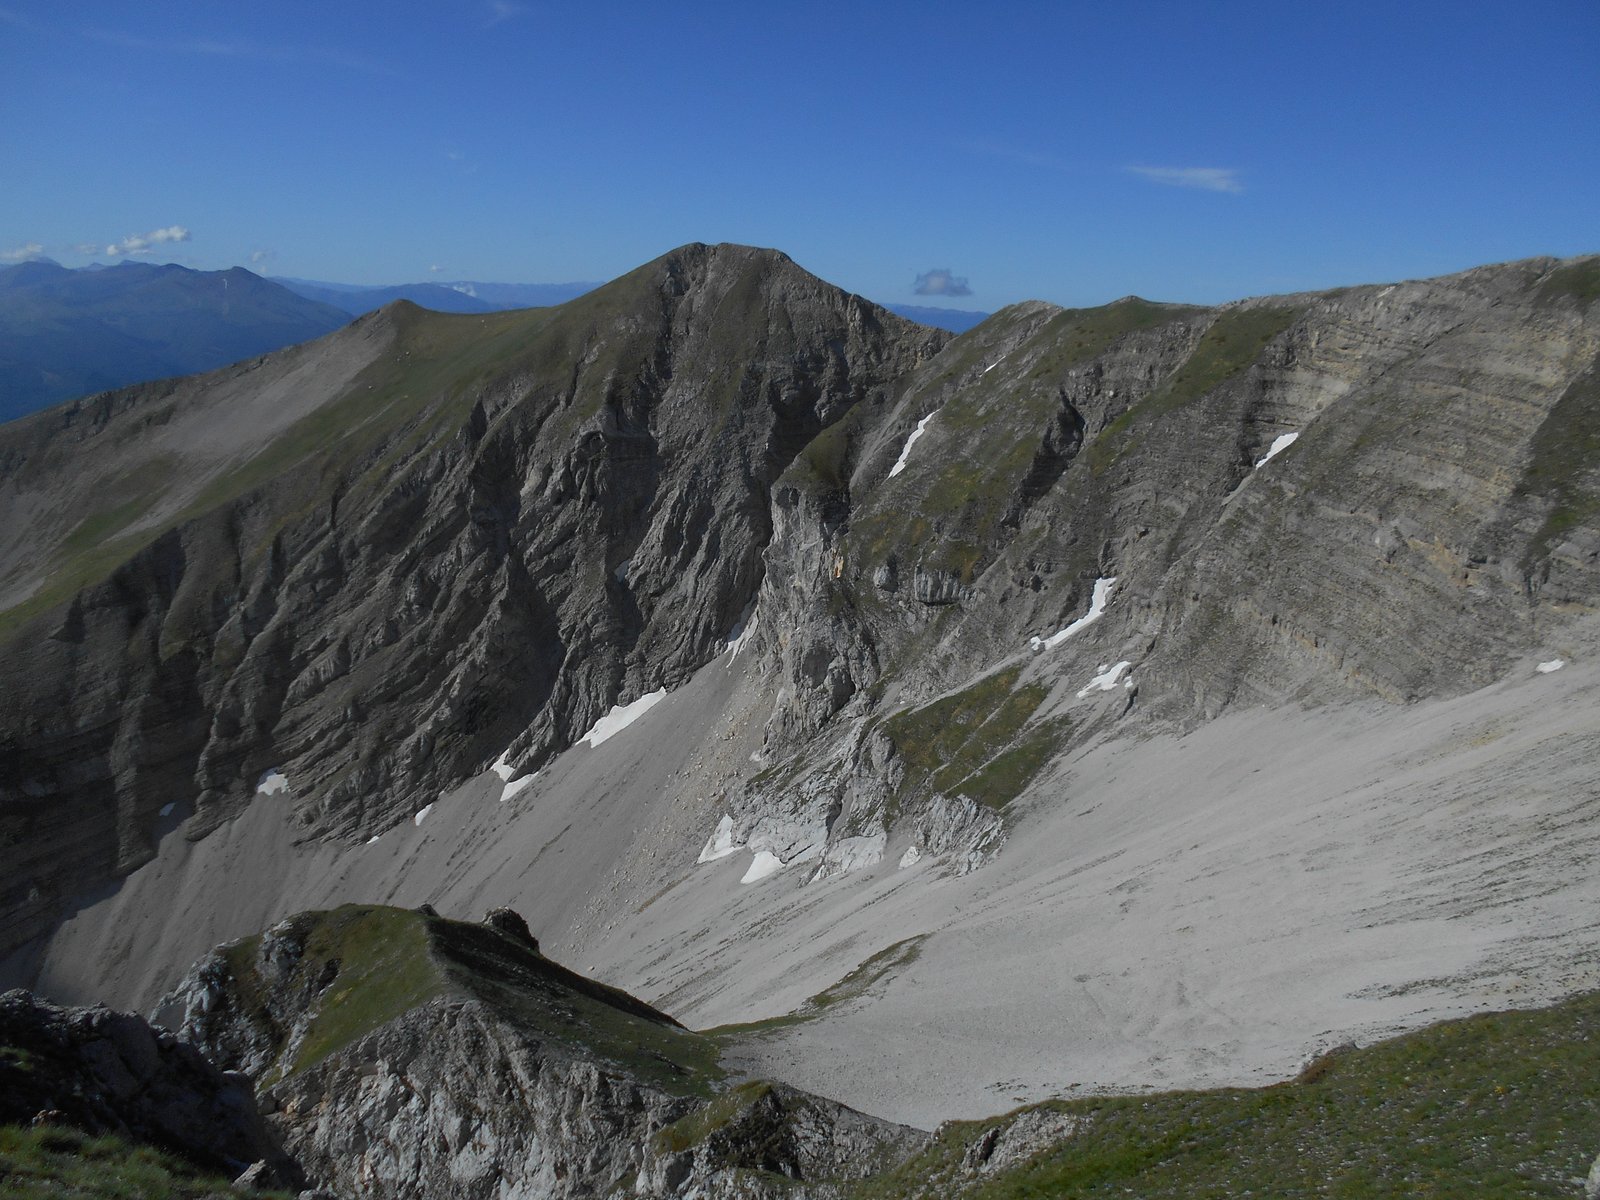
1279 444
905 452
765 863
166 809
720 844
1097 605
1106 680
1555 664
995 364
502 767
910 858
741 632
273 782
512 789
373 840
422 814
621 716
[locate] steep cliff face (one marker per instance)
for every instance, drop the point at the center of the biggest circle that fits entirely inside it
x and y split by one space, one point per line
359 571
400 1055
1379 492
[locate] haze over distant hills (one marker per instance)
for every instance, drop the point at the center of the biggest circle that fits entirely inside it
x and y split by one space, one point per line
465 296
66 333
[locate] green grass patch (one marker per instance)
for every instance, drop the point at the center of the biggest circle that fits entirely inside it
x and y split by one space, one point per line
52 1162
970 743
1233 341
385 970
1564 466
1577 282
1492 1107
719 1114
853 986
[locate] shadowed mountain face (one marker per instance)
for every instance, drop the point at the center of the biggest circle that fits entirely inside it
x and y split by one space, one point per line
69 333
357 573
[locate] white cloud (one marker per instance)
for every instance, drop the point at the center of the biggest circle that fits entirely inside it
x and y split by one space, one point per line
941 282
261 256
435 269
503 10
22 253
145 243
1207 179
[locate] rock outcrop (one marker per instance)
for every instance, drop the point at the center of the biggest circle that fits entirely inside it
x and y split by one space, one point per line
110 1072
402 1055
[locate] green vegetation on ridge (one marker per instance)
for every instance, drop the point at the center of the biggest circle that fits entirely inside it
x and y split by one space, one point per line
1496 1107
52 1162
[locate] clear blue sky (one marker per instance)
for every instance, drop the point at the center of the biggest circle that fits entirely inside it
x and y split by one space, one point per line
1073 152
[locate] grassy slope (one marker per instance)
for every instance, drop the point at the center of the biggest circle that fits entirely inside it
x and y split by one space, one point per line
390 961
52 1163
1497 1106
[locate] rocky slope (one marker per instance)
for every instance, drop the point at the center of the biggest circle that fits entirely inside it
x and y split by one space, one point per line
401 1055
388 554
1068 580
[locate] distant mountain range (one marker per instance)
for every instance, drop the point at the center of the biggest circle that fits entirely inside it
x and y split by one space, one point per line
466 296
954 319
66 333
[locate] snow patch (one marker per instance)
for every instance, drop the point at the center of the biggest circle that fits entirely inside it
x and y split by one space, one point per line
621 573
1106 679
905 452
1555 664
422 814
742 632
910 858
503 768
166 809
765 863
512 789
1097 605
994 364
621 716
373 840
273 782
1279 444
720 844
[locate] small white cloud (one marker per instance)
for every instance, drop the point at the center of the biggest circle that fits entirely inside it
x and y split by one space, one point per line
435 269
22 253
503 10
261 256
145 243
941 282
1207 179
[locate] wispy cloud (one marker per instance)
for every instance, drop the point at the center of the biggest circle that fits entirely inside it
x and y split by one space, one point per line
503 10
145 243
940 282
218 48
1207 179
261 256
22 253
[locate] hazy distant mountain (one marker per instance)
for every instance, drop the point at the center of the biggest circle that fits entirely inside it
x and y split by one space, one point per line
466 296
67 333
954 319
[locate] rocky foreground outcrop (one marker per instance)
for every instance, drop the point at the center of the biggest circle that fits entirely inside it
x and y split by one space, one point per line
401 1055
109 1072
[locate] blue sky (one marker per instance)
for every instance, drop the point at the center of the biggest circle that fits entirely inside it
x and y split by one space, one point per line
1070 152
